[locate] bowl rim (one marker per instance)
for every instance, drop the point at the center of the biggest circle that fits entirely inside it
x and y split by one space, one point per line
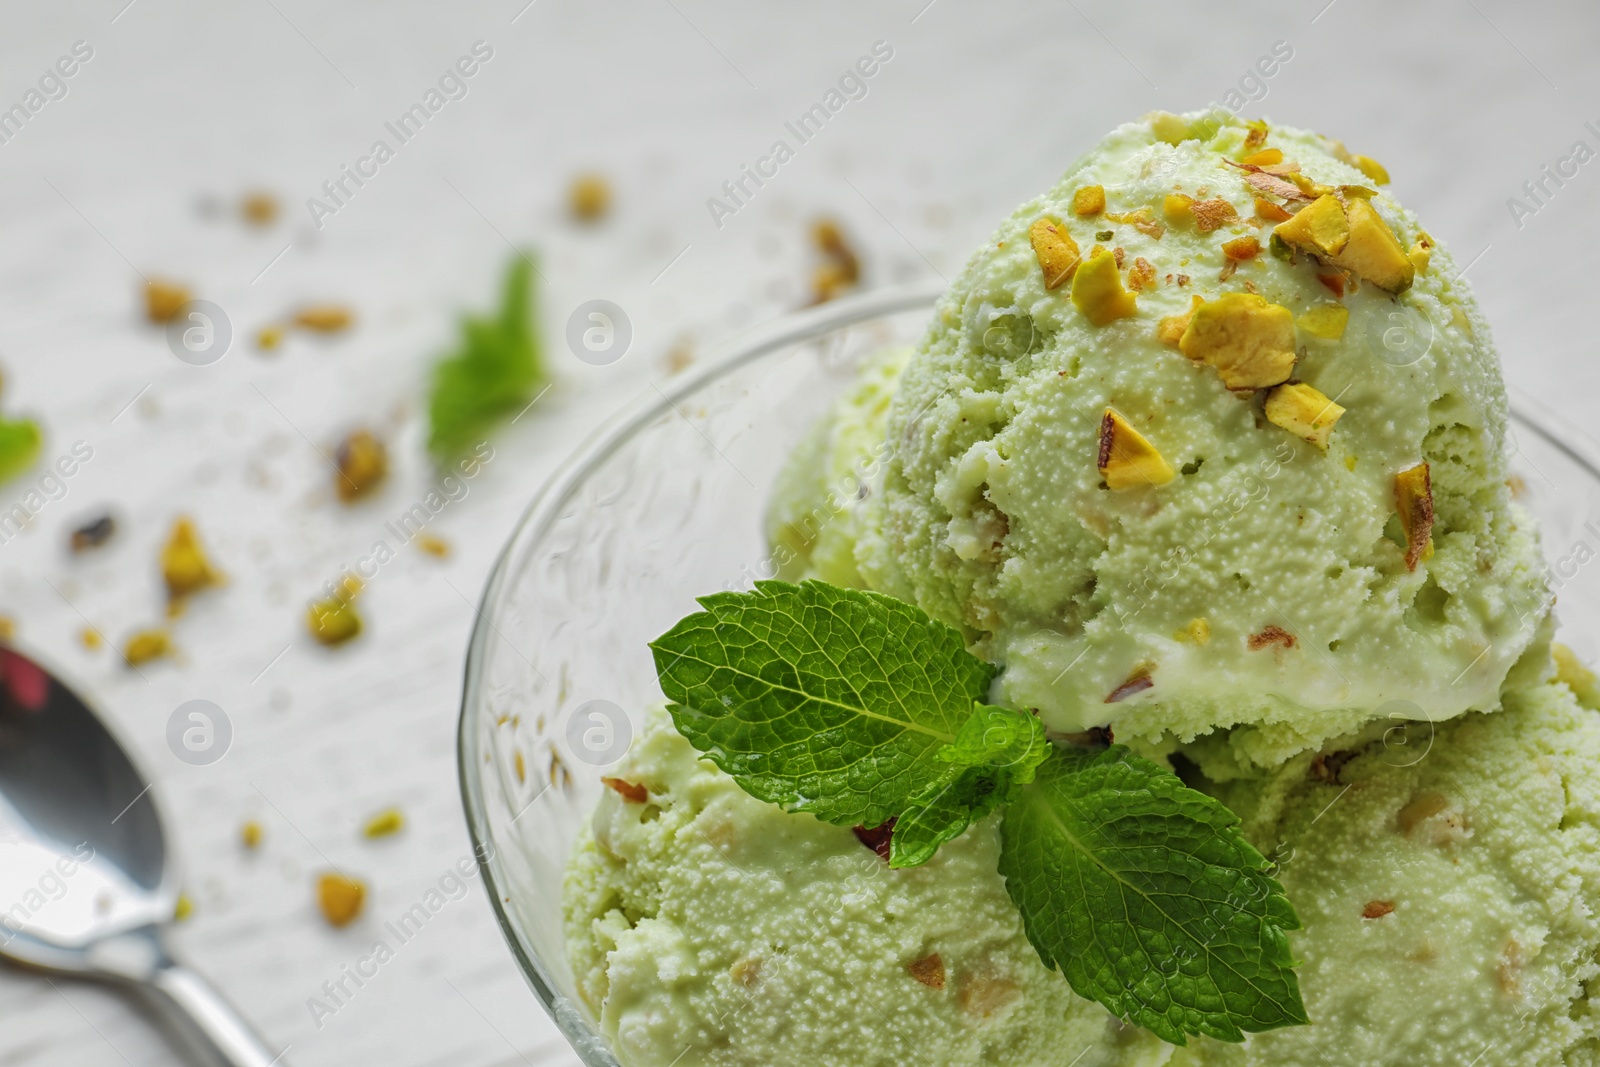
788 329
796 327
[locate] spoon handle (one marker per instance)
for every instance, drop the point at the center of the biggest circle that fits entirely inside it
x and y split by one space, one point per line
197 1005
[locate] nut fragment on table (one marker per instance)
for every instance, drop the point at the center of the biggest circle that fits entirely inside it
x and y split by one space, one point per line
363 461
335 620
184 566
589 197
340 898
386 822
324 318
259 208
163 300
145 646
94 533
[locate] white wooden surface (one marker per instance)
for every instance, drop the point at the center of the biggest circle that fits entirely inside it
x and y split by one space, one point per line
980 106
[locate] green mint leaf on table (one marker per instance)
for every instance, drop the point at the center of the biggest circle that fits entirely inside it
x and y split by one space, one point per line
1147 898
494 372
825 700
20 441
996 752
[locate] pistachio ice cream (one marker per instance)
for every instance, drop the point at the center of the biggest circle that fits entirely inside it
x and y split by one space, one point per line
1202 452
1151 454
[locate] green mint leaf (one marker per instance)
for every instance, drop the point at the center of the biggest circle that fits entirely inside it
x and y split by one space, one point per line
1147 898
20 441
997 751
495 371
831 701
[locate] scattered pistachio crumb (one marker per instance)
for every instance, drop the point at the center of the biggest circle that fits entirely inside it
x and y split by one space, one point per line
324 318
147 645
259 208
269 338
433 546
183 908
163 300
363 461
184 566
94 533
1090 200
340 898
250 834
335 620
589 197
386 822
89 637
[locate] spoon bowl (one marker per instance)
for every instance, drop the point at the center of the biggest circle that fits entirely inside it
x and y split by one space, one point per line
87 886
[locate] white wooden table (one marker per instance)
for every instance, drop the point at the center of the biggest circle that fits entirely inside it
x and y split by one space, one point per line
184 104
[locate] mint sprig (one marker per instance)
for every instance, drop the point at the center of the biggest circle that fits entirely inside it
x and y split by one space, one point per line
1144 894
997 752
824 700
859 708
495 371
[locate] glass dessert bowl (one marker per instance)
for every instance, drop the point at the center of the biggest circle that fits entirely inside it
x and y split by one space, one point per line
666 504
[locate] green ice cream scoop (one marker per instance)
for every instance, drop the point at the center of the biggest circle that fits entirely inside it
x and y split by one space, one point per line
1174 462
710 929
1447 877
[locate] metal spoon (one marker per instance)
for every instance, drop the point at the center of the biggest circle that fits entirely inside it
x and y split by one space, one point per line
85 883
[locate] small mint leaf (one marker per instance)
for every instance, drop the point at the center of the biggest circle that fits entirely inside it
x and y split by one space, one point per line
494 372
1144 894
825 700
997 752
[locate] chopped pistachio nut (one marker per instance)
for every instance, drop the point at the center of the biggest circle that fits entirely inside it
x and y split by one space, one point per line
90 638
1097 290
1371 168
340 898
1267 157
1142 275
163 300
268 338
1173 129
1320 227
434 546
1178 209
1057 251
1090 200
1351 235
1199 631
1241 248
386 822
183 908
1270 212
324 318
1303 411
146 645
250 835
1171 328
259 209
363 462
1372 253
1421 252
93 534
929 970
1326 321
589 197
1126 459
184 566
1413 493
841 267
1211 214
335 620
1249 341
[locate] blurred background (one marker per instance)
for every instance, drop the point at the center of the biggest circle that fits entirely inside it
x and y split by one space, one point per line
194 146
